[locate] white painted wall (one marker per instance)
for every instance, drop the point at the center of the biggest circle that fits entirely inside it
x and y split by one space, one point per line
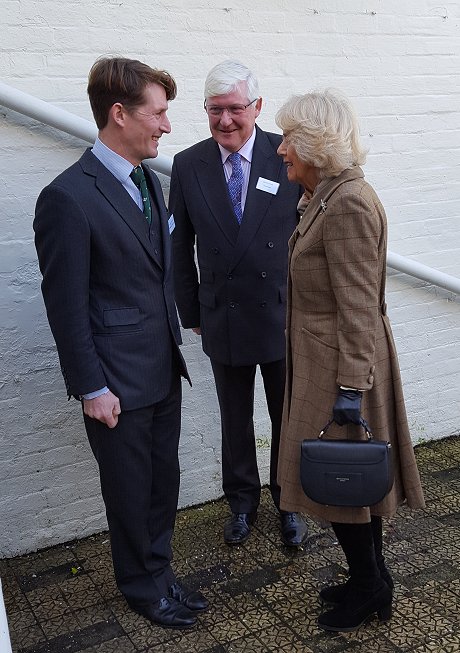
400 63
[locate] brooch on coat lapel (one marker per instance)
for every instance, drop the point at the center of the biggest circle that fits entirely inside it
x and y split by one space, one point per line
323 206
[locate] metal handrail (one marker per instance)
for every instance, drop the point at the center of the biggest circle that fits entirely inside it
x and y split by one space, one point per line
67 122
63 120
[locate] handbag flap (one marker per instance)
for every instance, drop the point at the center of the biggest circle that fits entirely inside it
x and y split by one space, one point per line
341 453
346 472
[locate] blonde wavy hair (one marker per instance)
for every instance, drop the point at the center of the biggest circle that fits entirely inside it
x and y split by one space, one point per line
323 128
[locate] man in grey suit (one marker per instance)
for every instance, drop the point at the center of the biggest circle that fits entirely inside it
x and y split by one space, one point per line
103 243
231 200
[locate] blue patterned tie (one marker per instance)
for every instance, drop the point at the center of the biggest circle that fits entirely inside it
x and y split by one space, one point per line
137 175
235 184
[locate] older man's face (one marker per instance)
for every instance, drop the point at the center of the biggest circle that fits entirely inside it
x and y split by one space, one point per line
231 121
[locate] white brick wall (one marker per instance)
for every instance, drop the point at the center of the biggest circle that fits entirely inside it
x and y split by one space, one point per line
399 61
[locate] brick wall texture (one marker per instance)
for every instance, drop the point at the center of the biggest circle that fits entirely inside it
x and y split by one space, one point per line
398 61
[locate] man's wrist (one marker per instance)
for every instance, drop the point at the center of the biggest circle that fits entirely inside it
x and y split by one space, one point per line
96 393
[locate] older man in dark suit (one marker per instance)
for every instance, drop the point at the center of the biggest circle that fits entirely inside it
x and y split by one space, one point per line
230 197
103 243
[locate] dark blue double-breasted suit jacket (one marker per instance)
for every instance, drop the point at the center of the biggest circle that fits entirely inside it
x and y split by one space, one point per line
238 296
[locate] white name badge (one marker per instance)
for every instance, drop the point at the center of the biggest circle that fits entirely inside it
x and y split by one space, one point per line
267 185
171 223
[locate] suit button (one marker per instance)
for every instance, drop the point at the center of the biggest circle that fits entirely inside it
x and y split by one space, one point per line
230 277
270 244
232 305
215 250
263 304
263 275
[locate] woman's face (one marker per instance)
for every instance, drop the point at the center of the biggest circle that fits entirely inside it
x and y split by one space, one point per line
297 170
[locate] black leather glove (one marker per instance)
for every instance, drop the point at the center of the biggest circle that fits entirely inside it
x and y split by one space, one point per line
347 407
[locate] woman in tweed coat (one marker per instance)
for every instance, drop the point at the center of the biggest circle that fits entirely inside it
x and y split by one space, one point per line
341 357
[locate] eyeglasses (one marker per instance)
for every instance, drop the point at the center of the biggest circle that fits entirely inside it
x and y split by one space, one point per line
233 110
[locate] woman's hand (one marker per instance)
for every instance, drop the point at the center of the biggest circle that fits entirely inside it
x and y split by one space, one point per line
347 407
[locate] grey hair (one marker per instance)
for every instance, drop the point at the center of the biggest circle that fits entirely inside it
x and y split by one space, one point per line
323 128
225 78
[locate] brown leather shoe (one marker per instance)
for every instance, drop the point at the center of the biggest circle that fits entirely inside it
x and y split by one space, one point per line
238 528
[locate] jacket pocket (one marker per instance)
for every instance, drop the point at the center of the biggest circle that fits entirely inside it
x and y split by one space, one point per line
315 339
117 317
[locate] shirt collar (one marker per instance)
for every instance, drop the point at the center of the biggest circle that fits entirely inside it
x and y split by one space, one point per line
116 164
245 151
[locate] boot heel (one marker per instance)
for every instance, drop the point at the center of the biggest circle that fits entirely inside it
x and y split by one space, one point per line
384 614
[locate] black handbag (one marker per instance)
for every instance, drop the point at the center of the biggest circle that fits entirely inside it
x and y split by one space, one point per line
351 473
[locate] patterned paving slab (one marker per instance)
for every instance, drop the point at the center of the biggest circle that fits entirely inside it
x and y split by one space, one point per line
264 597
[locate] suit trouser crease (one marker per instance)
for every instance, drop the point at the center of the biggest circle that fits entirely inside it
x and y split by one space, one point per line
235 392
139 473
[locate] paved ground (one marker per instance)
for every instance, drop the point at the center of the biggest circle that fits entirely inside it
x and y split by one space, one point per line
264 597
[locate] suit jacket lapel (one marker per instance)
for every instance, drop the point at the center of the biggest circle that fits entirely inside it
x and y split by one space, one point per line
266 163
211 179
163 215
119 199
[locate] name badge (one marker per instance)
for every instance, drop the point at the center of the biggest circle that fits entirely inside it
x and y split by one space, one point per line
267 185
171 223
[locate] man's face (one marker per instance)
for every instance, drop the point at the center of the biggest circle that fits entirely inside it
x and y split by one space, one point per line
232 129
144 125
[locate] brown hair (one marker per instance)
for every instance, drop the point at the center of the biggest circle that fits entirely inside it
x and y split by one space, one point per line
114 79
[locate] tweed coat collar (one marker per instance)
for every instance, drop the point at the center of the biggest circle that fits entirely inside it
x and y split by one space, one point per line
323 191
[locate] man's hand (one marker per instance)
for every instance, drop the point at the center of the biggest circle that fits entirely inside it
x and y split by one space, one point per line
197 330
104 408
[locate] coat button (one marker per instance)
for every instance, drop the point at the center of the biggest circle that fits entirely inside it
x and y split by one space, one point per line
370 379
232 305
263 304
215 250
263 275
230 277
270 244
372 370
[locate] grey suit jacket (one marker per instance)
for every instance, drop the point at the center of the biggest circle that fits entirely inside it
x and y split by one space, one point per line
239 295
107 285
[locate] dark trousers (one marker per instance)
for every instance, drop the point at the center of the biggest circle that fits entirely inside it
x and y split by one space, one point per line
235 392
139 472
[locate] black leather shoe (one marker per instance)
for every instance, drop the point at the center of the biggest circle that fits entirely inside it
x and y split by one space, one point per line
238 527
194 601
167 612
294 529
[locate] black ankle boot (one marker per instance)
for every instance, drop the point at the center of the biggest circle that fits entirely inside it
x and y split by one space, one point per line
335 594
358 607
